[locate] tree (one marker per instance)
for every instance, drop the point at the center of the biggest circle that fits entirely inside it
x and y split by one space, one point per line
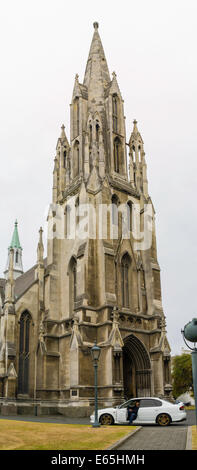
182 374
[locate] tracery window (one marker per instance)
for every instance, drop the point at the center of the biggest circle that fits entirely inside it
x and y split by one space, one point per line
117 154
77 113
115 112
24 353
129 216
76 117
64 158
114 210
97 133
76 159
125 265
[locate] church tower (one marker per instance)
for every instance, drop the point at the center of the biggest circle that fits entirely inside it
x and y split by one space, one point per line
108 277
100 279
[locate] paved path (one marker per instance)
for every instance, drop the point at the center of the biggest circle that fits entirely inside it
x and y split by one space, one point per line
157 438
172 437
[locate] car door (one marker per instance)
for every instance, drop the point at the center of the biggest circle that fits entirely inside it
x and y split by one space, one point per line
148 410
121 411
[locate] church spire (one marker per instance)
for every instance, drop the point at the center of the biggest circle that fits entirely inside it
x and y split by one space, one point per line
97 121
15 243
96 68
16 248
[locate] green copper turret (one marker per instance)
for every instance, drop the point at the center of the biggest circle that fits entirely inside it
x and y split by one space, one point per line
17 259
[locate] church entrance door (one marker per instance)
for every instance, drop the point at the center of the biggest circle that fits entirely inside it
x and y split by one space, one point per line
136 368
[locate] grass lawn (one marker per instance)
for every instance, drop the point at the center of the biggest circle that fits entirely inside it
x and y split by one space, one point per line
22 435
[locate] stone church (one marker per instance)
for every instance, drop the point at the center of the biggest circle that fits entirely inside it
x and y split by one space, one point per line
99 285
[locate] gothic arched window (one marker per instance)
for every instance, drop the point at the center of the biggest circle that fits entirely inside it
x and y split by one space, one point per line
117 154
76 117
16 256
125 265
114 210
139 152
115 112
24 353
72 284
77 213
129 216
76 159
97 133
64 158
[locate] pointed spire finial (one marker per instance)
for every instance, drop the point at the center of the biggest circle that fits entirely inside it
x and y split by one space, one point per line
135 129
96 67
41 232
62 132
77 77
40 248
114 74
96 25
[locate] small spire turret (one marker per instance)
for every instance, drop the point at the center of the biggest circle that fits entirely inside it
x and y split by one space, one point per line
137 164
15 246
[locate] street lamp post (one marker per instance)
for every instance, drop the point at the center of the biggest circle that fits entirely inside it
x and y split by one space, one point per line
95 352
190 333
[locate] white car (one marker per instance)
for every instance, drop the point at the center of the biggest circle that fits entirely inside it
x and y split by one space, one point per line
151 411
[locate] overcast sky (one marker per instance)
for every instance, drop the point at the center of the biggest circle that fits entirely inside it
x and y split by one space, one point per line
151 45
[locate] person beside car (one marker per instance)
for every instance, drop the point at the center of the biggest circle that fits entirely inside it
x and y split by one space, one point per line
133 412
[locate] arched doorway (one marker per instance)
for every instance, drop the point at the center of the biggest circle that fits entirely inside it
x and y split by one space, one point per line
136 368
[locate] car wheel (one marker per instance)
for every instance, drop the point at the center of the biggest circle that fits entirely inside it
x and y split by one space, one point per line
106 419
163 419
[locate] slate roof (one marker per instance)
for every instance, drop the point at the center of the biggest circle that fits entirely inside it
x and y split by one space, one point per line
22 283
